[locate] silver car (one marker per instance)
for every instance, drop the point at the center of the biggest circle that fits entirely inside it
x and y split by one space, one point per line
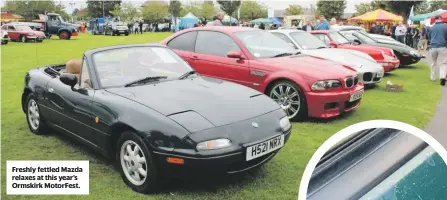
370 72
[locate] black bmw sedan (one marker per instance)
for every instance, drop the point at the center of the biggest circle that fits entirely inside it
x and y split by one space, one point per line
145 107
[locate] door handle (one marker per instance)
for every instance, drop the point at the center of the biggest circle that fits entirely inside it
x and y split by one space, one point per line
51 90
195 58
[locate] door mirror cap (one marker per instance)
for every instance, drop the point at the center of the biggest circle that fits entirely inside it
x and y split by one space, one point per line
69 79
357 41
333 44
235 54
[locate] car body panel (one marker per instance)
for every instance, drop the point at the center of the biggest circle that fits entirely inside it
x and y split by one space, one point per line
259 73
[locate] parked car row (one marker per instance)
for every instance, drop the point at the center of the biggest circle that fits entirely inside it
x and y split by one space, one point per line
224 97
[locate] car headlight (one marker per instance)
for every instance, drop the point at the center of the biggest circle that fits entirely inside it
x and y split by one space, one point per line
214 144
285 123
326 84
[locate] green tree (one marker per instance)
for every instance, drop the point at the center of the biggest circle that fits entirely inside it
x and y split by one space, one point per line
155 11
31 9
229 6
436 5
422 8
294 10
193 7
402 8
97 8
202 10
252 10
331 9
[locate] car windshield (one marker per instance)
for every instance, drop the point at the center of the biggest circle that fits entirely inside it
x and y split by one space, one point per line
263 44
307 40
117 67
338 38
23 28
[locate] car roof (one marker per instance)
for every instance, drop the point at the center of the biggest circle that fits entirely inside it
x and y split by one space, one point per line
93 51
225 29
286 31
322 31
341 28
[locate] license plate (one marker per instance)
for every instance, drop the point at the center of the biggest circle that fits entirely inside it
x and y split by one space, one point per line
265 147
380 75
356 96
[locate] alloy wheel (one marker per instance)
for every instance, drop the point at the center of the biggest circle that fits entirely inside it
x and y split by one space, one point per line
133 162
23 38
288 98
33 114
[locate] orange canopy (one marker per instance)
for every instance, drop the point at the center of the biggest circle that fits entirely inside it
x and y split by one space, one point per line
377 15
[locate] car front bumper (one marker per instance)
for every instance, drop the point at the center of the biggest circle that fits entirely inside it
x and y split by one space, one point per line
389 65
332 104
229 160
407 59
121 31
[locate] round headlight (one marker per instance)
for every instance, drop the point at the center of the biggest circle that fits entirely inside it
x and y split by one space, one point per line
214 144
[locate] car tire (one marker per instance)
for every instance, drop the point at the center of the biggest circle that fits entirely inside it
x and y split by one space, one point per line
4 42
127 34
23 38
129 169
290 98
35 120
64 35
39 41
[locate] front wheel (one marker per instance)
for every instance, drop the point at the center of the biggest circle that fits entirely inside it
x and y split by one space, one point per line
291 99
23 38
5 42
33 116
135 164
64 35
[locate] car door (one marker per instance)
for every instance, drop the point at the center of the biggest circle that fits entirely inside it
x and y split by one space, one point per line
183 45
210 58
74 105
13 33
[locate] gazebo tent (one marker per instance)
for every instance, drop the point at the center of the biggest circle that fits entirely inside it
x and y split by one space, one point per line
377 16
422 17
274 20
188 21
443 15
261 20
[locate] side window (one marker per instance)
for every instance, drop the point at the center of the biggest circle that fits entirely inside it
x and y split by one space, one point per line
4 28
208 41
85 77
284 38
323 38
184 42
11 28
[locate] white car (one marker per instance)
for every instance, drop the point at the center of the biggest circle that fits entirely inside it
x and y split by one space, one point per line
370 72
5 37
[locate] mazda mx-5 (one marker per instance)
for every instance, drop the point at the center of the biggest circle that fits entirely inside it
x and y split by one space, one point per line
146 108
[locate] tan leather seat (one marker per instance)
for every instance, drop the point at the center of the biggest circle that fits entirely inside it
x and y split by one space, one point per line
74 67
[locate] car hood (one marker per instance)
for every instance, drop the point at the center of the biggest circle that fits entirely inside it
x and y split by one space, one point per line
313 67
351 58
219 102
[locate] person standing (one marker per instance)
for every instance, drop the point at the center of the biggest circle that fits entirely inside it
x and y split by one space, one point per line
438 51
373 29
423 38
308 26
323 25
141 26
129 26
218 20
415 37
400 33
408 39
393 31
262 26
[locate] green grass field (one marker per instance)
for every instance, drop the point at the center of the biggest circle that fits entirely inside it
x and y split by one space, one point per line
278 179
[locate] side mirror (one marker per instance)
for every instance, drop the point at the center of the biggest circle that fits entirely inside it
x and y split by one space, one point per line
333 44
69 79
235 54
357 42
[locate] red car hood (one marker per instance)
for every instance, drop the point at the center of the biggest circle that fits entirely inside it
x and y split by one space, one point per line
387 51
312 67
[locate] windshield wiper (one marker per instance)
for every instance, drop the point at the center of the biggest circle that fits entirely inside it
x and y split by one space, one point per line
185 75
322 47
282 55
145 80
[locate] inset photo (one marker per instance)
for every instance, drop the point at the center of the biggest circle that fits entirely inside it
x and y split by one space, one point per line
377 164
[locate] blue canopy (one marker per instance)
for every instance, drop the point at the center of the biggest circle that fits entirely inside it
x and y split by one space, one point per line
274 20
188 21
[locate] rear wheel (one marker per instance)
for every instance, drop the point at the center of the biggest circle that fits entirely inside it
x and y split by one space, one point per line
23 38
290 97
64 35
5 42
135 163
33 116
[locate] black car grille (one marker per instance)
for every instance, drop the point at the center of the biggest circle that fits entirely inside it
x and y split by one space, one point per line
367 77
377 78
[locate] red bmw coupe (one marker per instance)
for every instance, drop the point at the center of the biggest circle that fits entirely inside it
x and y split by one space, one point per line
302 85
382 55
